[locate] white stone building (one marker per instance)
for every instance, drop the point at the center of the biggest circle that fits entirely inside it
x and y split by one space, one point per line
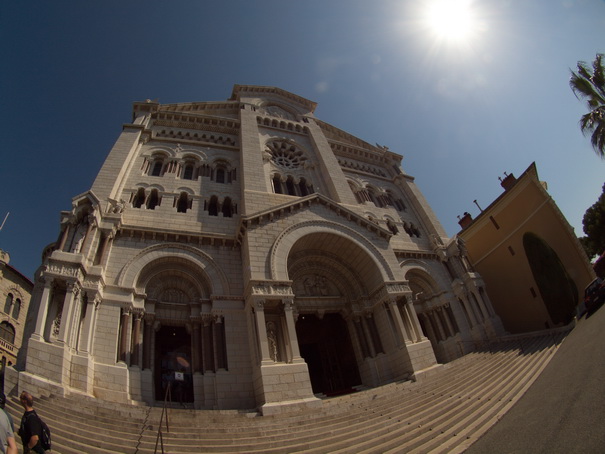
252 255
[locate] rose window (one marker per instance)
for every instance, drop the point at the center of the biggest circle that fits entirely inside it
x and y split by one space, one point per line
286 155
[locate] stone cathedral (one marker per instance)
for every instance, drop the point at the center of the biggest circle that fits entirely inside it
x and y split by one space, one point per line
249 256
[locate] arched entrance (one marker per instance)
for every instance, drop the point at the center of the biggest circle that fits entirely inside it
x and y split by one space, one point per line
326 347
173 364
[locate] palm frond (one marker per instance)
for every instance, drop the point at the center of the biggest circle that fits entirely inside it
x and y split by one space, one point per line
598 140
589 84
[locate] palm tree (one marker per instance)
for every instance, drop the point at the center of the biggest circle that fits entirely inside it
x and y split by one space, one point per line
590 85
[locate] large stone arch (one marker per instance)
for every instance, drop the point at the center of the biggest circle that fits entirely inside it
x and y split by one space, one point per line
344 281
421 282
329 237
131 277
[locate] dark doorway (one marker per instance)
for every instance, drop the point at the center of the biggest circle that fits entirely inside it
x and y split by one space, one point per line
173 364
326 347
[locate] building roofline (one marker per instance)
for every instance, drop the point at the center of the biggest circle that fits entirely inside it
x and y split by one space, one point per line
237 89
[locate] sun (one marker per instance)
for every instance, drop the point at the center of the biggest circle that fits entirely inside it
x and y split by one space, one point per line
452 21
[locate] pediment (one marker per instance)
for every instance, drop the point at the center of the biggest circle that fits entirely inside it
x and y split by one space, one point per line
305 203
274 95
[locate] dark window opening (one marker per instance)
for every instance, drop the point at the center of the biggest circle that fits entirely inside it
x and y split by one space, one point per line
277 186
139 198
220 175
153 200
183 203
156 170
188 172
213 206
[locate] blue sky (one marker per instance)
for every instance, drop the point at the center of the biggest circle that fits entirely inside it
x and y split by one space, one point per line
461 114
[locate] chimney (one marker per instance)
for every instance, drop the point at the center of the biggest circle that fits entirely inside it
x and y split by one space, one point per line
508 181
465 220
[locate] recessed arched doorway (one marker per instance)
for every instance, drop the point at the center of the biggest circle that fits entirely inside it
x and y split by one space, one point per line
326 347
173 364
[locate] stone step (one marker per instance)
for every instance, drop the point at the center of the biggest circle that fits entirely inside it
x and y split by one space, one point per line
462 398
416 425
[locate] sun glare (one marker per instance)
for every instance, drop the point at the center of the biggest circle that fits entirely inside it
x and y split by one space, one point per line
451 20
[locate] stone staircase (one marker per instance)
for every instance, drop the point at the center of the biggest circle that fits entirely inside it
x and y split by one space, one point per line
444 412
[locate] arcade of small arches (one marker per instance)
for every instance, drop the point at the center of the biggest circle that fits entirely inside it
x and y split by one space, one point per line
196 137
150 198
281 124
188 167
378 197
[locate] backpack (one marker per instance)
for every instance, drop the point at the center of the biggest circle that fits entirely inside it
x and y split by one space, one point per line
45 436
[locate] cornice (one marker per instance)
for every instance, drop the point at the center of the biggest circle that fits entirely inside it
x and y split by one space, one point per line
238 90
200 122
190 238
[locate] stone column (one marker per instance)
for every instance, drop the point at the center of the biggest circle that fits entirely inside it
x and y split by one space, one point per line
43 308
468 311
64 236
88 238
87 328
448 322
481 304
291 325
106 249
429 327
361 338
219 344
368 337
147 341
400 327
124 333
414 323
437 320
196 343
475 305
208 344
71 294
136 341
259 316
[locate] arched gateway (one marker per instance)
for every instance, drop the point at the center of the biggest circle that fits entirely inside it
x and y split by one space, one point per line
252 256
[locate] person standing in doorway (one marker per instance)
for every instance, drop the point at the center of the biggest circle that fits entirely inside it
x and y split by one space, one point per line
31 427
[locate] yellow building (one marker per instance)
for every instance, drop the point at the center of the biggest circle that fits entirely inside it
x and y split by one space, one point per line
529 291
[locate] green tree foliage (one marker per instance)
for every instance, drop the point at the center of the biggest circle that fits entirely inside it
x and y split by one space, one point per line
594 227
589 84
558 290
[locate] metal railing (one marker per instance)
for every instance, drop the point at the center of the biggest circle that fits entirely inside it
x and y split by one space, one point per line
160 437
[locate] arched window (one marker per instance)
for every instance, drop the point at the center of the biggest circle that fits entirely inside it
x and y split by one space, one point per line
213 206
188 171
156 168
277 185
304 187
220 175
183 203
227 208
8 303
375 198
7 332
291 186
139 198
153 200
17 308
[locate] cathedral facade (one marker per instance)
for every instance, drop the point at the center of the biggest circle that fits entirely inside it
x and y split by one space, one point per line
246 254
